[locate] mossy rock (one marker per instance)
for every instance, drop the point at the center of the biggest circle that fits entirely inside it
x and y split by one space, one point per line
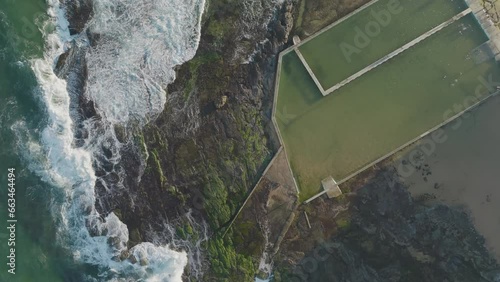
135 236
343 223
118 213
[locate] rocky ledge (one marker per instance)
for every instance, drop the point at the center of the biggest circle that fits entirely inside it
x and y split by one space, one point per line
206 151
378 232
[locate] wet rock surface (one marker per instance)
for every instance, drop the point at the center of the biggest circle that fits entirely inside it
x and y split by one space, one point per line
263 222
380 233
78 13
205 152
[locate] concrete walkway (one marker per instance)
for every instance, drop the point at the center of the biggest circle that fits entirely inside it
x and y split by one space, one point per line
309 70
493 34
475 7
488 26
386 156
397 52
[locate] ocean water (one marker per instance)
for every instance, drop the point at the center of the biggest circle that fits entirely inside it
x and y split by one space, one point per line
142 41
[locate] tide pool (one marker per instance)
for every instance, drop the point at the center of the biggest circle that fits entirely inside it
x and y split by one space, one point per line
387 107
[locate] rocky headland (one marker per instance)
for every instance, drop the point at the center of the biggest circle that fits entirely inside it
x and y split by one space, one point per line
189 170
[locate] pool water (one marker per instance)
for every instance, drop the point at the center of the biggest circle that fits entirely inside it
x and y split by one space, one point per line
382 110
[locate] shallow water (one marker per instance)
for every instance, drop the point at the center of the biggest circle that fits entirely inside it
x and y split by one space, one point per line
462 171
380 111
373 33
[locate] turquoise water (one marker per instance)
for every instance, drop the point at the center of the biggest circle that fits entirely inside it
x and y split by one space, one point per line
38 258
55 177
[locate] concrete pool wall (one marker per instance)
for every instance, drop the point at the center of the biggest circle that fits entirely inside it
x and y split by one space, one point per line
282 114
290 114
377 29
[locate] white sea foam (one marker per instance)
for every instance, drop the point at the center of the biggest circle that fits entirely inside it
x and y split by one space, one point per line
140 43
254 23
143 41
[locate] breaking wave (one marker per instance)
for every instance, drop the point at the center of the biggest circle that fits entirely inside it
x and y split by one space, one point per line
140 44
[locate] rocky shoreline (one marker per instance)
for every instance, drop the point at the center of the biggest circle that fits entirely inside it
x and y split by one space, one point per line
189 170
378 232
206 150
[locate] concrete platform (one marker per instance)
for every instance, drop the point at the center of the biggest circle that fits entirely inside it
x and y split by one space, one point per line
331 187
492 31
393 54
